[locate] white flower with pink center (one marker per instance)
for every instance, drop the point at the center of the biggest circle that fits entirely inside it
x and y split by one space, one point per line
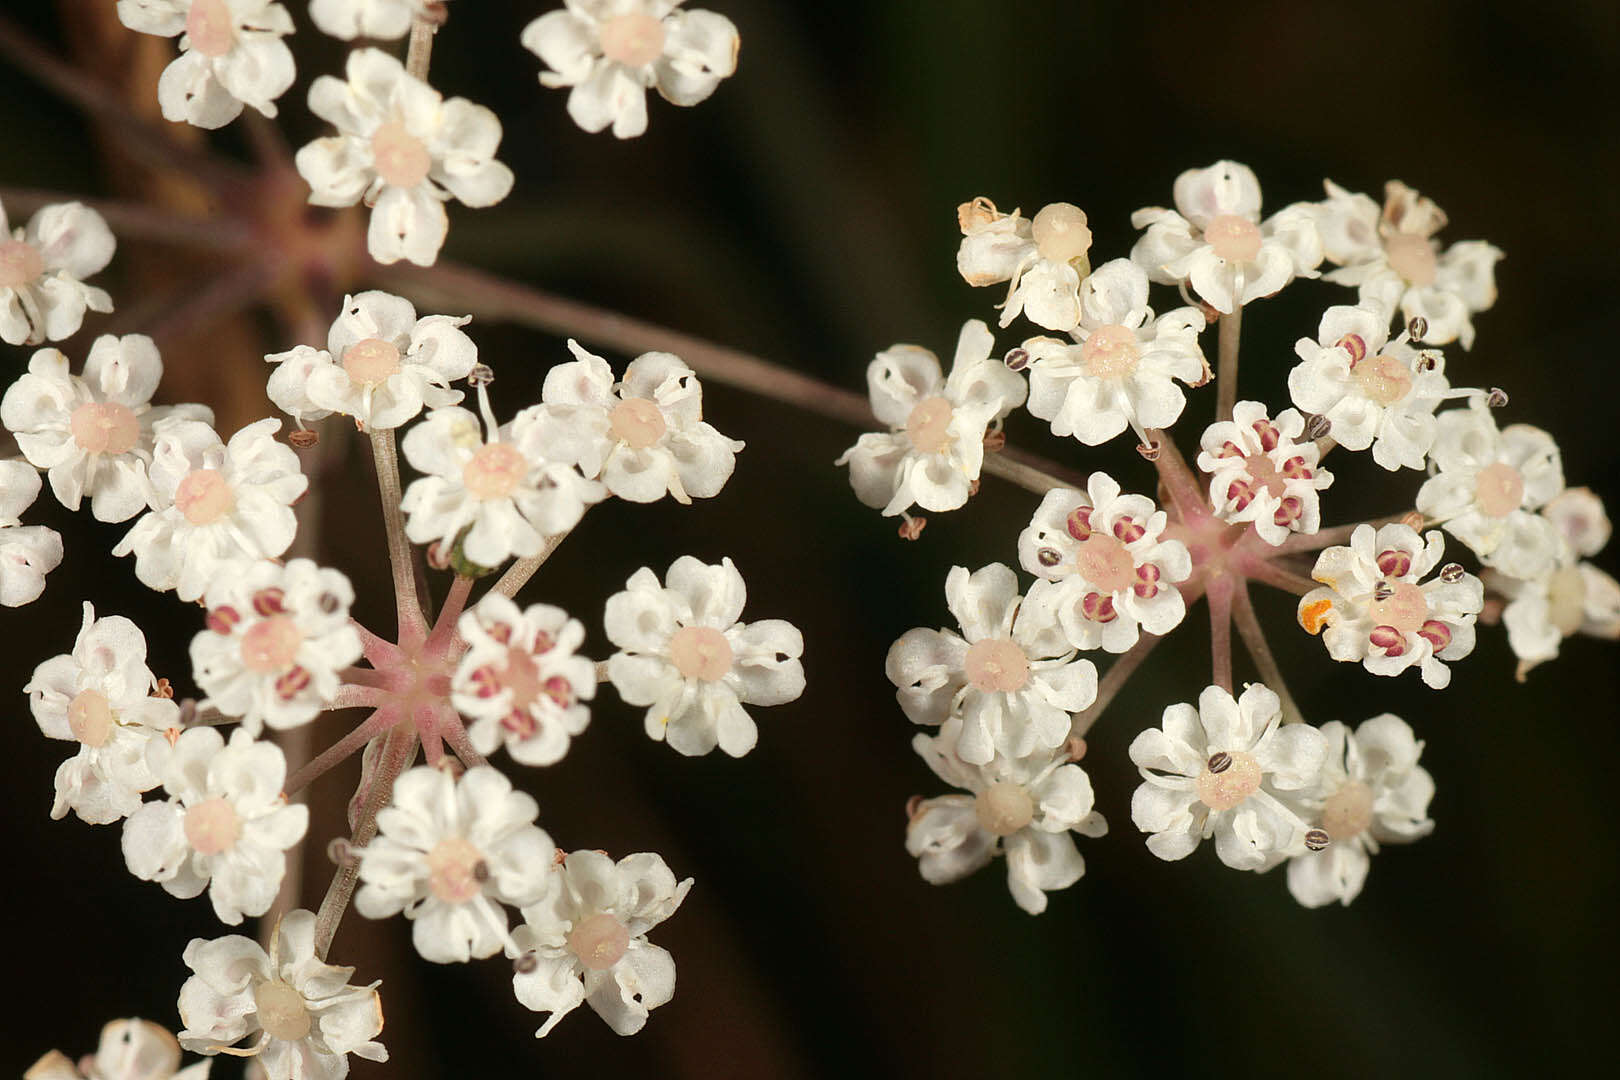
381 365
93 433
1371 791
587 940
403 150
27 552
214 504
644 437
1218 770
611 51
379 20
1579 517
1119 373
129 1050
302 1014
1574 598
100 696
521 681
1023 809
491 499
231 54
934 449
277 638
1105 568
1215 242
686 657
1261 474
43 265
449 853
1043 259
1010 675
1399 265
225 827
1489 484
1374 392
1371 608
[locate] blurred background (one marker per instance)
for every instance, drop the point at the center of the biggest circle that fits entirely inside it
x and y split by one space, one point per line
806 213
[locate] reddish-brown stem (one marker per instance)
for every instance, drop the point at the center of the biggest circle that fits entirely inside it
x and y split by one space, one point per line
1187 495
1122 669
444 627
1279 577
366 678
131 220
1220 632
1254 640
340 751
1334 537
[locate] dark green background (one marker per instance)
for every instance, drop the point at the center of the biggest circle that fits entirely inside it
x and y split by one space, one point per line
806 213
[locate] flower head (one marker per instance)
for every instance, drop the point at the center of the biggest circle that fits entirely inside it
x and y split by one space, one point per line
43 265
231 54
611 51
1260 473
129 1050
379 20
684 654
27 552
1044 259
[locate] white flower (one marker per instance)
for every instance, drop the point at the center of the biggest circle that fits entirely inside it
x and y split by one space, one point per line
94 432
1575 598
521 681
380 20
1010 675
1119 373
1371 608
643 438
1397 263
380 366
1022 809
1488 486
1044 259
1375 392
27 552
225 826
306 1015
610 51
1217 243
1371 791
684 654
448 853
231 54
491 499
42 270
214 504
1105 569
1579 516
1260 473
1217 770
129 1050
588 940
934 448
404 150
100 697
277 638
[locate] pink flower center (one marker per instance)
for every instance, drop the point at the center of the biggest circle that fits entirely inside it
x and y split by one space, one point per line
1383 379
90 718
212 827
929 425
454 870
209 27
1412 257
1266 474
1111 352
371 361
401 159
20 263
203 496
1348 811
700 652
494 472
1405 609
1237 778
599 941
271 645
997 665
104 427
637 422
633 40
1499 489
282 1012
522 678
1106 563
1061 233
1003 808
1234 238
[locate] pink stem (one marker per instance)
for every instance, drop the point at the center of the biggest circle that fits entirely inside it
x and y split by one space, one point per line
357 697
379 651
1279 577
1334 537
444 627
1254 639
1187 495
456 735
364 678
1220 631
374 725
1114 679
